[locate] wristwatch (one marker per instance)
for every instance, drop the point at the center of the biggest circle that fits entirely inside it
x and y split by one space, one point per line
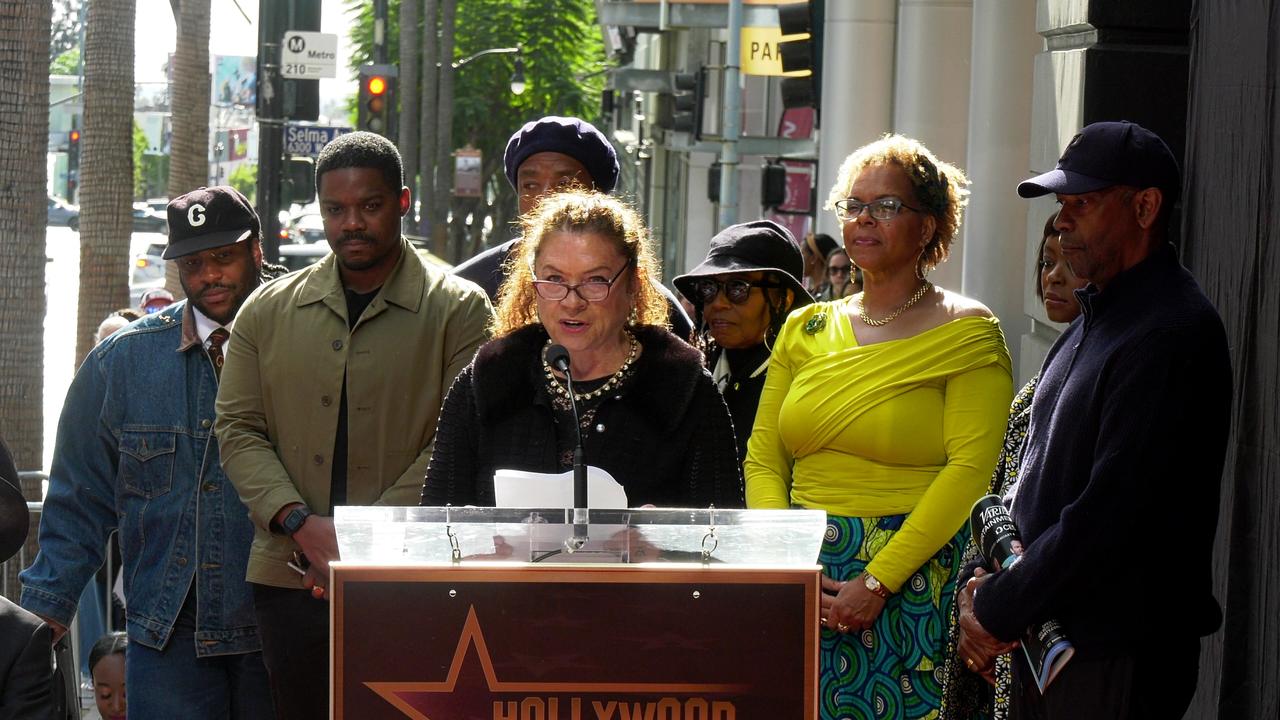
292 522
874 585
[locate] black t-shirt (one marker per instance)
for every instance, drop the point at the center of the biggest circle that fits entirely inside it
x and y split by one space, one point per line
357 303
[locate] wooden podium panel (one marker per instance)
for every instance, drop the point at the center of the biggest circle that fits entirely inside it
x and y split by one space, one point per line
616 642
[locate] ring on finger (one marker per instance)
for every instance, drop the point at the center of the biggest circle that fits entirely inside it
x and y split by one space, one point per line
841 627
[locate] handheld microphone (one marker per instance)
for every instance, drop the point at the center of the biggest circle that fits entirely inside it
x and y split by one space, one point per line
558 358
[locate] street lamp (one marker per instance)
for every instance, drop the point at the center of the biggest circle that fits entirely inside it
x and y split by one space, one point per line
517 78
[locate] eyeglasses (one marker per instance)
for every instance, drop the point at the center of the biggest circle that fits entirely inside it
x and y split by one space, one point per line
884 209
591 291
705 290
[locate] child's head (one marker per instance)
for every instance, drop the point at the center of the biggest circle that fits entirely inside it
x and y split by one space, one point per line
106 665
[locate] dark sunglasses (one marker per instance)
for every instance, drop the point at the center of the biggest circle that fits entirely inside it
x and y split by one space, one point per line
705 290
840 269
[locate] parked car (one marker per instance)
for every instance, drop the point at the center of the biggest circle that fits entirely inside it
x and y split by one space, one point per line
308 228
147 268
62 212
146 219
298 256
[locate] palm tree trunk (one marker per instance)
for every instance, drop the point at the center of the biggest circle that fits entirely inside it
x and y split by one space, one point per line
428 120
189 153
24 128
444 133
408 84
106 166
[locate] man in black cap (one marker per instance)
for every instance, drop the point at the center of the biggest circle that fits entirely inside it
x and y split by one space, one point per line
26 675
743 291
1125 450
542 157
135 452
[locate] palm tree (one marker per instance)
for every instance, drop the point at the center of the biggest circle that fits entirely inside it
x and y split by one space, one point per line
428 122
407 135
24 128
106 165
444 133
189 148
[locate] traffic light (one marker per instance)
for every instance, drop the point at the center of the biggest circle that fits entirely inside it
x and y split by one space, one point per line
773 185
377 110
73 163
801 25
681 110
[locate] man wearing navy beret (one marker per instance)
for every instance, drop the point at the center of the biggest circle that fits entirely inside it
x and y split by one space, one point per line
542 157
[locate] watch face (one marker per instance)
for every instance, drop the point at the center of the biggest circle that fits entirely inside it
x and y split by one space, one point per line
293 521
872 583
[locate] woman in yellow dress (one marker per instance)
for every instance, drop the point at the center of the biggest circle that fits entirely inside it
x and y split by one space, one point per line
886 409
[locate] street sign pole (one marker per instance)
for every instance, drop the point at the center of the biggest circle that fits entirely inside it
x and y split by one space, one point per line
270 125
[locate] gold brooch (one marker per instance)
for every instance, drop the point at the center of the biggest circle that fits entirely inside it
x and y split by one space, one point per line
816 323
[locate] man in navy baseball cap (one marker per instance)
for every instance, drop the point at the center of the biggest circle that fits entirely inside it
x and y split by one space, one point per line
1129 427
1106 154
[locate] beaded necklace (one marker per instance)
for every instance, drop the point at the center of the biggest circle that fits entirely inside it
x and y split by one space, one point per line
862 310
559 387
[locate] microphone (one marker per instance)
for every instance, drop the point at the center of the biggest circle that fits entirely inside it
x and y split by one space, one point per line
558 358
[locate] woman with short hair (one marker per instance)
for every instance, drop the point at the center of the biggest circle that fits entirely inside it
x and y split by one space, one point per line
885 409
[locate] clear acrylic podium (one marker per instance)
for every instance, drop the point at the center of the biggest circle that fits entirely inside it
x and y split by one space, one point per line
557 614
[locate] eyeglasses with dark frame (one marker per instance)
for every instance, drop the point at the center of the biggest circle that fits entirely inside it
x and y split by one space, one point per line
884 209
590 291
736 291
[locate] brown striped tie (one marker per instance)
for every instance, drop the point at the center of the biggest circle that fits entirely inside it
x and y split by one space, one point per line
217 339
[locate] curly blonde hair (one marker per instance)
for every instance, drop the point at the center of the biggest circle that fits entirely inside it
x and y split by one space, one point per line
579 211
939 187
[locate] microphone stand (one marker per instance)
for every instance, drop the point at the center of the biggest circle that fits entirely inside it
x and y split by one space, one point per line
559 359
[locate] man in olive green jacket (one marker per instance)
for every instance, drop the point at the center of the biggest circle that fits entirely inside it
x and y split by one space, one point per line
331 388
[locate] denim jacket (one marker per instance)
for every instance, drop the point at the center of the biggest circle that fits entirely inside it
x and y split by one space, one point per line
136 451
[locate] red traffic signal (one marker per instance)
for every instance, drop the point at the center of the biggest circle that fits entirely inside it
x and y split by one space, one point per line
376 111
75 136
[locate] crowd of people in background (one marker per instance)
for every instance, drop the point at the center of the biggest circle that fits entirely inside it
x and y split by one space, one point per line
217 434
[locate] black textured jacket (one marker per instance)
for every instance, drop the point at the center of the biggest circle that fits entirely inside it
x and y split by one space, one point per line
667 437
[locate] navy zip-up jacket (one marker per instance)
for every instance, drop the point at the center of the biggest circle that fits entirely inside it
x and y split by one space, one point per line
1118 496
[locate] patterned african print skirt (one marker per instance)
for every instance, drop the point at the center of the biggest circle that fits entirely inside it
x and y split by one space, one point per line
892 669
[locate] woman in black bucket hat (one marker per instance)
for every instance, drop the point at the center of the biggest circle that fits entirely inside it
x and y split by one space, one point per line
742 292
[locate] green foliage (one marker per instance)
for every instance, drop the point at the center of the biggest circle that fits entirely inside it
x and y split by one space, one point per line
139 173
563 56
67 63
245 179
64 30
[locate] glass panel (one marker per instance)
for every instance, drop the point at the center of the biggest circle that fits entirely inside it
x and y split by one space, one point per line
390 535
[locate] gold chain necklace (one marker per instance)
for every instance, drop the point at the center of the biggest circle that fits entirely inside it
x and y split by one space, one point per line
558 387
862 310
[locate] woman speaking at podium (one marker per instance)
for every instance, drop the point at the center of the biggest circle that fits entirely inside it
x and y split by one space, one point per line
886 410
649 414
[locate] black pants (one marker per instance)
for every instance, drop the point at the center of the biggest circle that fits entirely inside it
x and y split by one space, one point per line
294 628
1156 684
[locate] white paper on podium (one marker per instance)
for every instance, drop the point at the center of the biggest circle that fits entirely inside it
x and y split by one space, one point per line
523 489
